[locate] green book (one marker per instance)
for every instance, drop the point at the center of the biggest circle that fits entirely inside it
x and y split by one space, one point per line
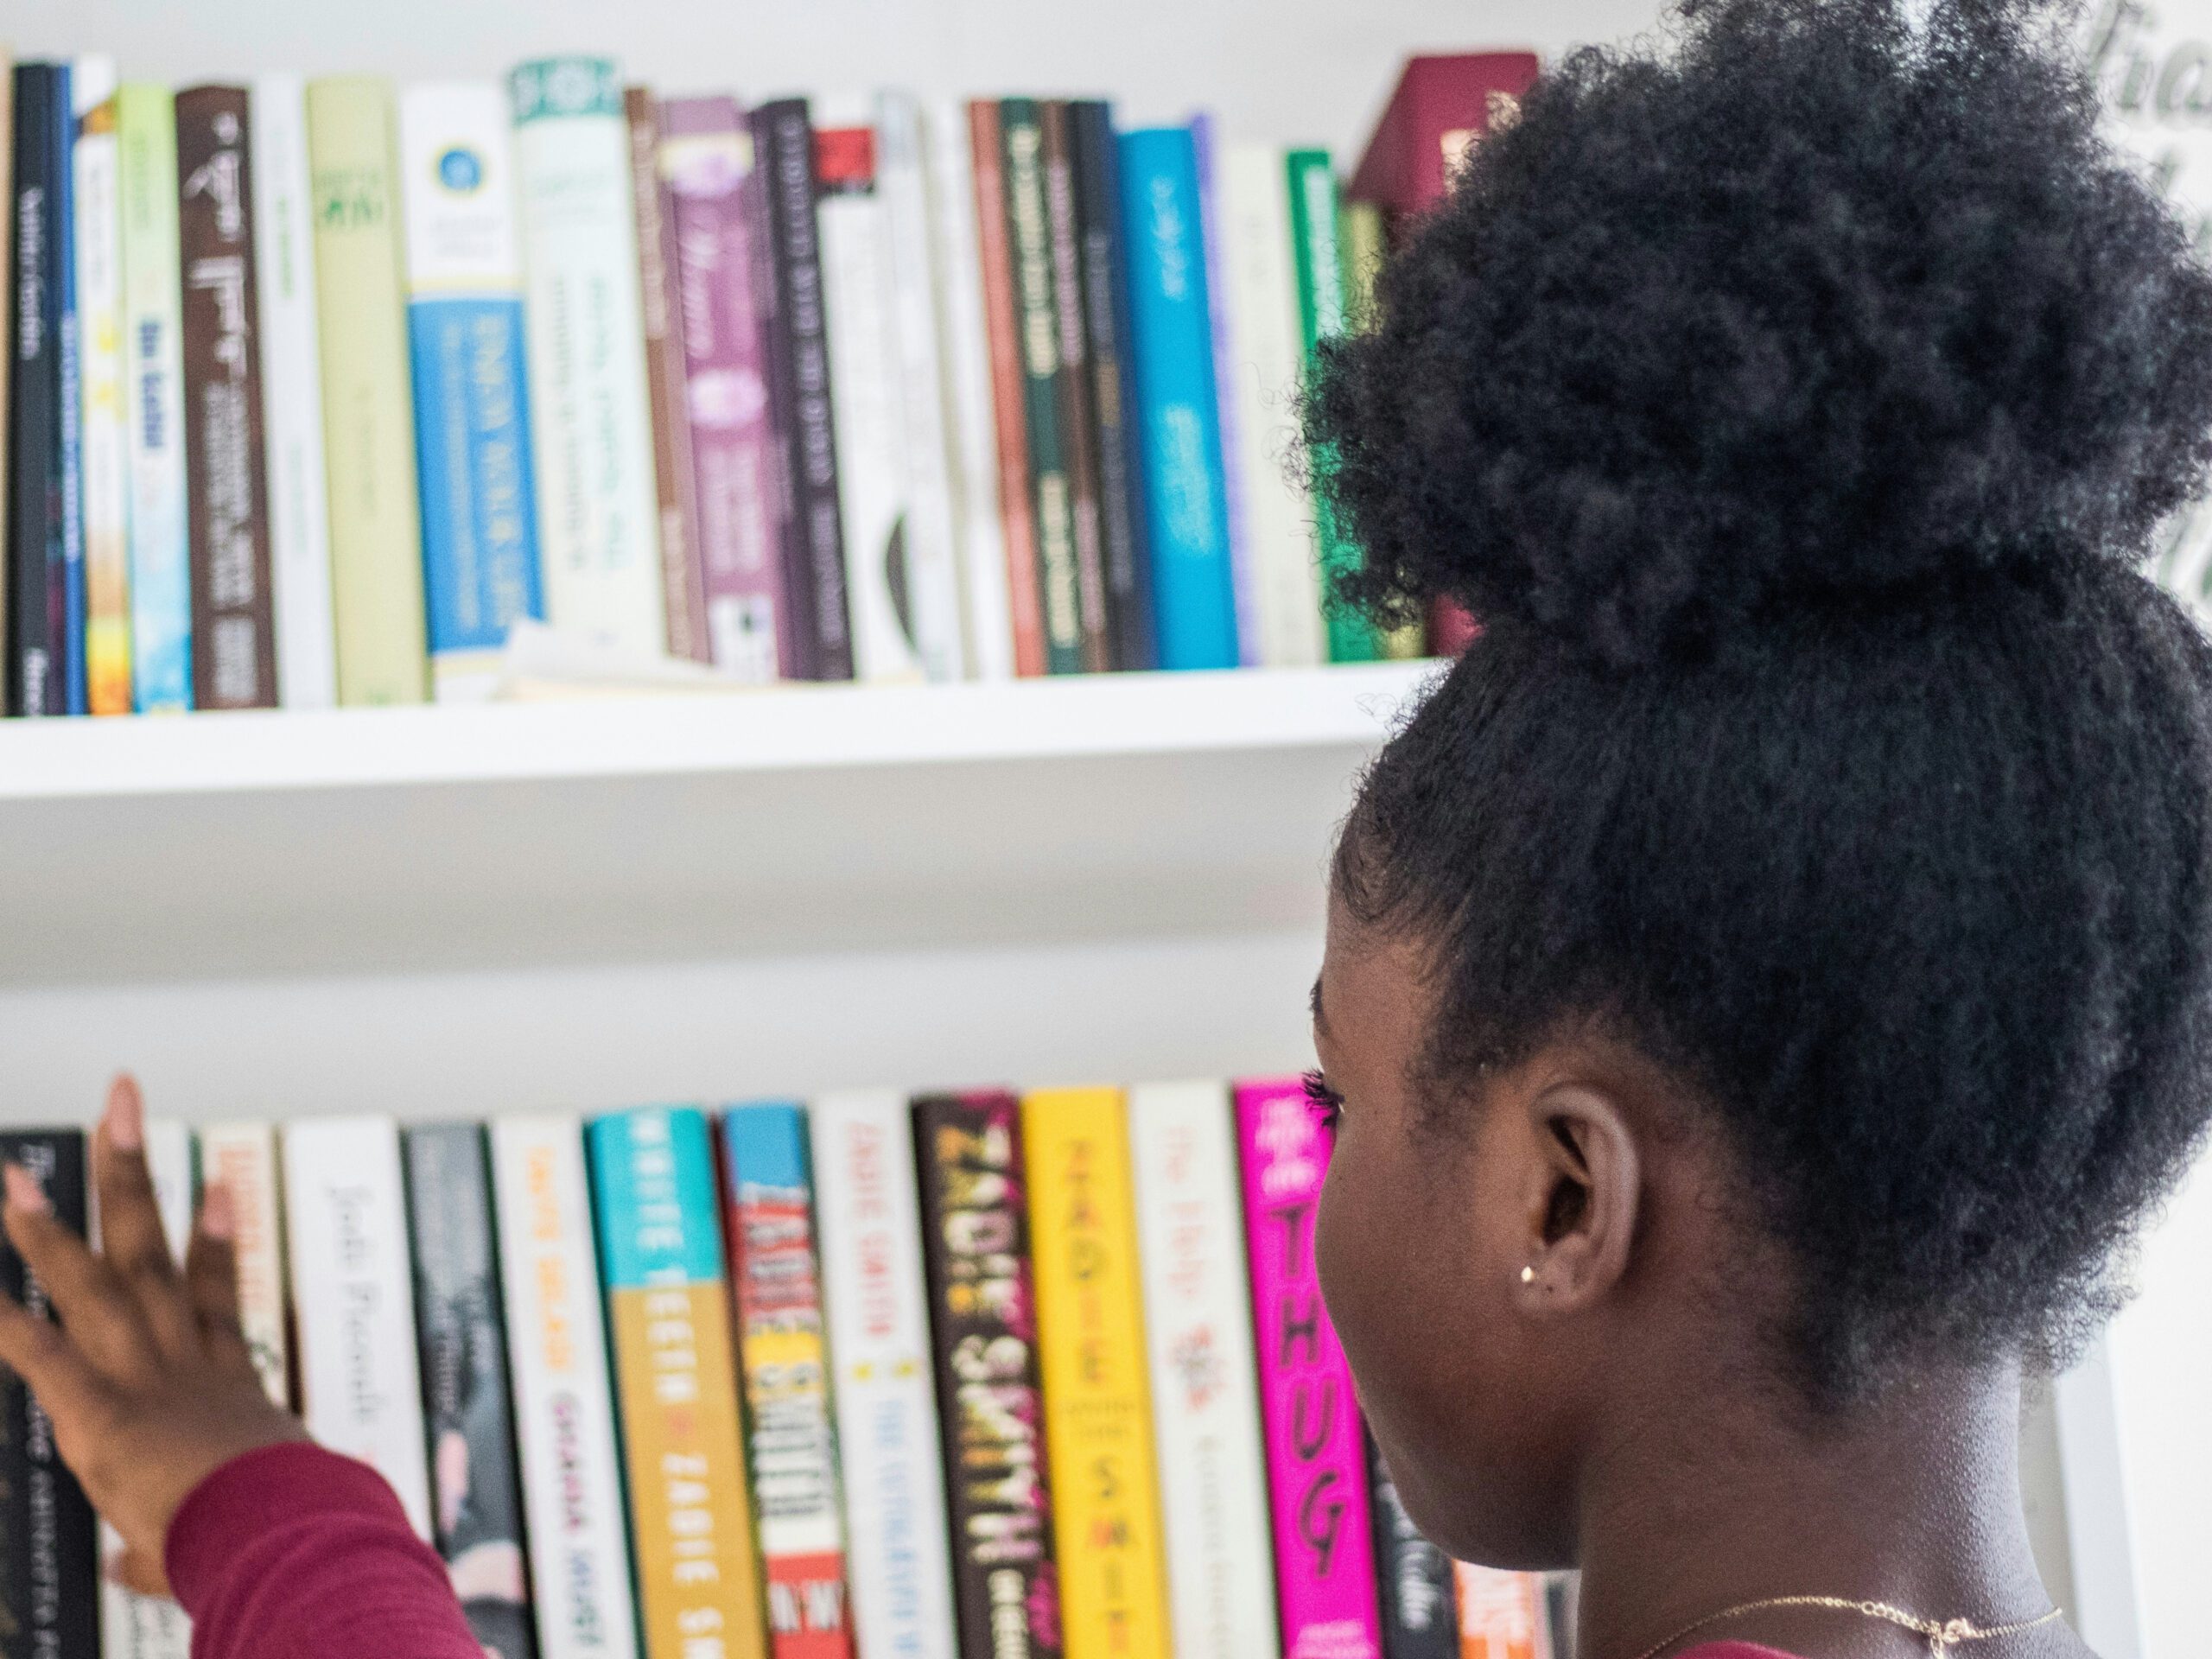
1364 249
368 401
1317 253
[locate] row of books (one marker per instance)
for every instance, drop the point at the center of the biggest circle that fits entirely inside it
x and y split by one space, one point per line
975 1375
318 387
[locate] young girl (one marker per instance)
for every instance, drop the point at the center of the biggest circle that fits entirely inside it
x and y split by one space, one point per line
1769 977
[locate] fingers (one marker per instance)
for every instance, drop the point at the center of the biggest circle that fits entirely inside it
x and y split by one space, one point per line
37 1350
130 1219
211 1279
138 1572
101 1318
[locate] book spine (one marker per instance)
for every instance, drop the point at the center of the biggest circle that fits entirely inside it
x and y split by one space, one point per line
7 350
869 1213
1193 588
1317 1471
1073 386
819 646
97 161
675 1385
49 1559
1009 387
460 1328
983 1312
1097 1398
159 575
929 546
346 1237
1364 249
241 1158
291 389
1265 360
683 580
368 406
65 560
1205 144
471 400
598 514
1199 1338
1502 1615
563 1399
34 685
964 359
1413 1576
1052 499
233 620
1110 329
776 1274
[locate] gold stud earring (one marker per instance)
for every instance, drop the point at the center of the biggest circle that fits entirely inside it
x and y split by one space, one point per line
1528 1275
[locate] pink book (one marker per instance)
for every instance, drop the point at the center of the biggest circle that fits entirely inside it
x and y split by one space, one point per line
1317 1475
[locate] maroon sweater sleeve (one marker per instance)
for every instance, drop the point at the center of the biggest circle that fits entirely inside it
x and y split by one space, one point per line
292 1552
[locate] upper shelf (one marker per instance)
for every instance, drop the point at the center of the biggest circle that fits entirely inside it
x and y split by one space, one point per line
791 820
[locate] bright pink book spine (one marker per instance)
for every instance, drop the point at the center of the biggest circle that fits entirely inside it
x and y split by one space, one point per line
1317 1481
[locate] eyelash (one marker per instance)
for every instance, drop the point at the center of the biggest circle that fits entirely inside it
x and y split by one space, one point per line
1328 1105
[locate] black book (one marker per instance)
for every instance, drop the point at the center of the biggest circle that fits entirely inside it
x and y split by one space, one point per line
460 1331
1111 330
36 502
1413 1576
49 1552
799 391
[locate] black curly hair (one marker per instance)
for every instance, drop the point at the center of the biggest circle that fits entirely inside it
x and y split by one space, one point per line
1793 405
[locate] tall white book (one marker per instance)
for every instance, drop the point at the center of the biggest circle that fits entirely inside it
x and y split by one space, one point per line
564 1412
597 512
241 1157
868 1214
291 396
1266 348
1198 1342
103 441
346 1226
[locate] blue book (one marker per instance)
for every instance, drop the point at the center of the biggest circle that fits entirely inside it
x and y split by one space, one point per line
70 645
1193 591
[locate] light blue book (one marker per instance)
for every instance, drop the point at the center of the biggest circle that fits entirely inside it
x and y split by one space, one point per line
1193 588
69 81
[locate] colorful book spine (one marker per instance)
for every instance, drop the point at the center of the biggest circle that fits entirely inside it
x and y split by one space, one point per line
818 640
7 311
715 211
241 1158
1317 1469
1205 145
67 626
1364 250
101 380
983 1307
368 407
161 567
233 614
683 580
291 396
346 1226
1413 1576
49 1558
877 1304
476 1512
776 1275
1073 385
471 401
1502 1615
660 1246
35 684
1097 1395
563 1399
1193 587
1198 1340
965 359
598 518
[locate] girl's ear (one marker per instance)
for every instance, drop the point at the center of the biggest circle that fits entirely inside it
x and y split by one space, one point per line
1585 1185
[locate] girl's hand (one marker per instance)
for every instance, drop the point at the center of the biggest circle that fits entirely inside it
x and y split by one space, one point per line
147 1379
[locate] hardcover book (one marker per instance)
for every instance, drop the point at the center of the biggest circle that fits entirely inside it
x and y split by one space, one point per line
241 1157
1316 1467
8 352
563 1401
660 1244
877 1304
1361 222
1097 1397
101 380
233 614
1413 1577
777 1278
66 630
1073 385
982 1302
1206 153
36 684
471 401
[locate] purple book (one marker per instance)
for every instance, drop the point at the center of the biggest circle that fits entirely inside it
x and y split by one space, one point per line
1243 578
706 159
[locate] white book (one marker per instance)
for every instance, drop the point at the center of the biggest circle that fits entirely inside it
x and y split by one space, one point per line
103 443
291 397
971 423
598 505
564 1414
869 1213
243 1157
1198 1341
1266 348
346 1226
864 392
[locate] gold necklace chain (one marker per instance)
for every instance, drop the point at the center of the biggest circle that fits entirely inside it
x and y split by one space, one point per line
1942 1634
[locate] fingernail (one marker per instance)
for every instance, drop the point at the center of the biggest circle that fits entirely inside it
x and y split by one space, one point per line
23 1192
126 1116
219 1216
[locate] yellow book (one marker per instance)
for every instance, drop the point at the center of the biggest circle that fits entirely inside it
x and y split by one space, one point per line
368 398
1097 1400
